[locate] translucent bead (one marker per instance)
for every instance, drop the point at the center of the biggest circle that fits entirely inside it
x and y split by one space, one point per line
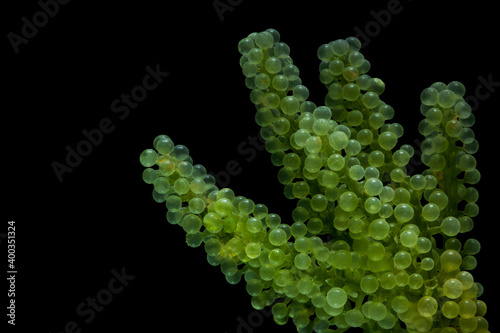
363 81
377 311
212 246
246 206
350 92
427 264
379 229
199 171
467 135
161 185
408 238
313 163
249 69
276 257
373 187
301 137
262 81
376 251
213 223
403 212
427 306
437 162
272 65
376 85
290 105
191 223
429 96
434 116
373 205
450 226
180 152
453 128
365 136
416 281
418 182
245 45
354 318
356 59
446 98
472 246
280 310
340 47
439 86
148 158
450 309
402 195
354 43
264 117
164 145
402 260
301 92
277 237
365 67
369 284
370 100
271 100
280 82
453 288
387 140
376 158
196 205
356 172
335 91
336 162
325 76
336 67
467 163
348 201
338 140
430 212
291 72
400 157
273 220
350 73
264 39
423 245
376 120
149 175
257 96
281 50
450 260
388 281
300 189
321 126
387 111
457 87
336 297
400 304
255 56
398 175
463 110
281 125
325 52
319 202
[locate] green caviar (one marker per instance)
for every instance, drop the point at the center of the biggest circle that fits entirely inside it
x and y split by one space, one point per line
368 245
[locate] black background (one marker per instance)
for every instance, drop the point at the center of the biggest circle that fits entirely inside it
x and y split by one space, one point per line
72 234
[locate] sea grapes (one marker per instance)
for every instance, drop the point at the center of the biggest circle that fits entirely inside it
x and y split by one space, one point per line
362 247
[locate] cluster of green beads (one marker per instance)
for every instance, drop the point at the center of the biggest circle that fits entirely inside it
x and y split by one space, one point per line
362 247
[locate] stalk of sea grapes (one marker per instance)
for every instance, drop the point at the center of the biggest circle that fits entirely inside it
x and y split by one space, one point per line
362 248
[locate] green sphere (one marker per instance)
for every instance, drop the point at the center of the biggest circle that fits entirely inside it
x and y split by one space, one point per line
348 201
